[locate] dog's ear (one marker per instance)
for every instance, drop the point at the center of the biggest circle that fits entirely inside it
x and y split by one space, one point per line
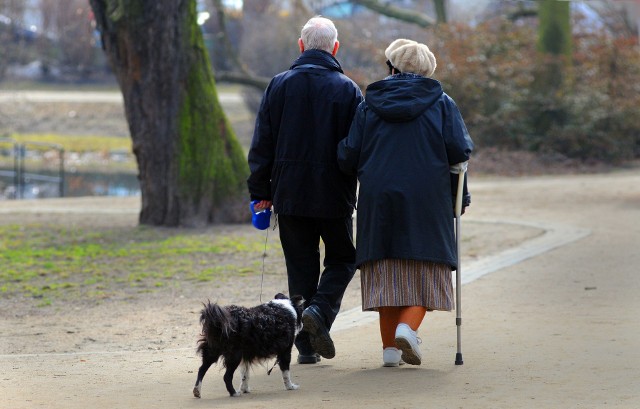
281 296
297 300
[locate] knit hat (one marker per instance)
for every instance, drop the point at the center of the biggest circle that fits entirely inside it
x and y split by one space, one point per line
411 56
395 45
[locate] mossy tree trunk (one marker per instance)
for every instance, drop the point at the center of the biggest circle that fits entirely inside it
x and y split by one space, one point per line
552 75
192 170
554 44
441 10
554 27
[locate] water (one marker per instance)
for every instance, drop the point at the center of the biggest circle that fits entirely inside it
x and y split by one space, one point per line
76 184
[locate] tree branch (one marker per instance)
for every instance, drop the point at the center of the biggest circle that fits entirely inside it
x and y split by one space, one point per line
259 83
244 76
228 47
408 16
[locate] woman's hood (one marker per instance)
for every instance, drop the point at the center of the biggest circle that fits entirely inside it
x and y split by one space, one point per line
402 99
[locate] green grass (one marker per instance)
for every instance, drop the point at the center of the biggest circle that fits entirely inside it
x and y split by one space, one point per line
49 86
107 87
77 143
51 262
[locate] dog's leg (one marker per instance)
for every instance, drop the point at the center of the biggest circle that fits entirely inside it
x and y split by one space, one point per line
244 371
232 363
208 359
284 361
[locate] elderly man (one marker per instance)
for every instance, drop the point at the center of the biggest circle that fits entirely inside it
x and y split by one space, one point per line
304 113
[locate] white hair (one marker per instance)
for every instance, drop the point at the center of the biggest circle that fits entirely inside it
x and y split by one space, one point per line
319 34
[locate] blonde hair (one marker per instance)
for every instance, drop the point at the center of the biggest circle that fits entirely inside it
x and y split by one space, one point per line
319 33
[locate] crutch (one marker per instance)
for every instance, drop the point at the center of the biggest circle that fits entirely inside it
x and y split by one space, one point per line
460 169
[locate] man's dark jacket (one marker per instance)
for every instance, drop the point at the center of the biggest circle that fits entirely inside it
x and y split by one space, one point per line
304 113
403 139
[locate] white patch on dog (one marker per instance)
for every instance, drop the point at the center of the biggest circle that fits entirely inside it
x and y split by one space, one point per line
287 304
286 377
244 372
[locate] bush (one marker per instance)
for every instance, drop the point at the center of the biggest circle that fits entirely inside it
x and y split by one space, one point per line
513 98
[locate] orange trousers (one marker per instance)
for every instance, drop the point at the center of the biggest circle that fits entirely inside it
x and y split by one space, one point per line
390 317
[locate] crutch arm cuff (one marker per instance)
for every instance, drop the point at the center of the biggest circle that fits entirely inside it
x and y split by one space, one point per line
459 167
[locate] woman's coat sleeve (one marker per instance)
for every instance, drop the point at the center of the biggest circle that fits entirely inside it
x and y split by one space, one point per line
458 145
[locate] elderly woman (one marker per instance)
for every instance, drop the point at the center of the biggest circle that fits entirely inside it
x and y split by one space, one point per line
403 140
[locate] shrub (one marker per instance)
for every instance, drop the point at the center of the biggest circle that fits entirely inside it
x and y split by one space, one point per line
514 98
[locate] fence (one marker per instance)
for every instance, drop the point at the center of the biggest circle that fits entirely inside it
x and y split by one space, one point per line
45 180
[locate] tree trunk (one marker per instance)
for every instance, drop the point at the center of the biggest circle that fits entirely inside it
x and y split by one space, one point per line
441 11
192 170
554 27
552 72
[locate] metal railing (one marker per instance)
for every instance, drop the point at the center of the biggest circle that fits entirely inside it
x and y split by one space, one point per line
20 177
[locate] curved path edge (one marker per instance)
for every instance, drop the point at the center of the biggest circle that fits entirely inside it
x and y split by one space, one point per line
554 236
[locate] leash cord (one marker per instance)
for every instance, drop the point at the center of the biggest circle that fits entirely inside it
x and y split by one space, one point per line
274 365
264 256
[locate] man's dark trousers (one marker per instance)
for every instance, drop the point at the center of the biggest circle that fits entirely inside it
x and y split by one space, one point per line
300 239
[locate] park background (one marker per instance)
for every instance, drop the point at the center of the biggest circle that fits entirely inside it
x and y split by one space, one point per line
100 309
548 87
543 86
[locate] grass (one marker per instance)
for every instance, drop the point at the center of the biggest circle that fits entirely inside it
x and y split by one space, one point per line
54 263
106 87
77 143
50 86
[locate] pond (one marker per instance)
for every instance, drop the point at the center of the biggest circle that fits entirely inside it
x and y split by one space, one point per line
74 184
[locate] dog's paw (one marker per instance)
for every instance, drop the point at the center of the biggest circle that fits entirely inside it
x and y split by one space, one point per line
291 386
196 392
245 389
236 395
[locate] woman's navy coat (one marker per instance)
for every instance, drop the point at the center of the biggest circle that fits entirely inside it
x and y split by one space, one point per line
403 139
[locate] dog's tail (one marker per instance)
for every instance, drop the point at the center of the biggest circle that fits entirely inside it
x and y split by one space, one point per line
217 325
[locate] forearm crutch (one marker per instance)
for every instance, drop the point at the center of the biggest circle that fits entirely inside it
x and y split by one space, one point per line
460 169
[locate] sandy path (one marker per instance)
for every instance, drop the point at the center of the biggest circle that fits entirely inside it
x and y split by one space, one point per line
554 330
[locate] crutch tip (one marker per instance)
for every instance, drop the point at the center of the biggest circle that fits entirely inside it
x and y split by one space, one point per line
459 359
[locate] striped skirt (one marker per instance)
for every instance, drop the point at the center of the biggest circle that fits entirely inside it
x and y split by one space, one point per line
393 282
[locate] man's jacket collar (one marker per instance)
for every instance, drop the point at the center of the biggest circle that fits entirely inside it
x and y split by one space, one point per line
317 57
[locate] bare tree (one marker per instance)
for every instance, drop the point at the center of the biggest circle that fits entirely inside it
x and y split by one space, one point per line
69 22
243 74
11 49
192 170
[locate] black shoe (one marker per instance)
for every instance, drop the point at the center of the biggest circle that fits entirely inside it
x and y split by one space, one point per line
306 354
313 323
309 359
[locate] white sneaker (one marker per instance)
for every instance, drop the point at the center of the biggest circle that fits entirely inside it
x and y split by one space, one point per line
392 357
408 342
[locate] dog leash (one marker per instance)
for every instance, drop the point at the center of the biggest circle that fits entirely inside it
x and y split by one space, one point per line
274 365
264 256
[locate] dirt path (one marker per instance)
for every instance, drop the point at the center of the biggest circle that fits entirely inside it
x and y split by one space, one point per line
551 324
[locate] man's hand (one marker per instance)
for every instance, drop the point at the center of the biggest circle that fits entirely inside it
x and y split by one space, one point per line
263 204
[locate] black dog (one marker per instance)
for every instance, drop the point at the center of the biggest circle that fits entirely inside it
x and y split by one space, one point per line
244 336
